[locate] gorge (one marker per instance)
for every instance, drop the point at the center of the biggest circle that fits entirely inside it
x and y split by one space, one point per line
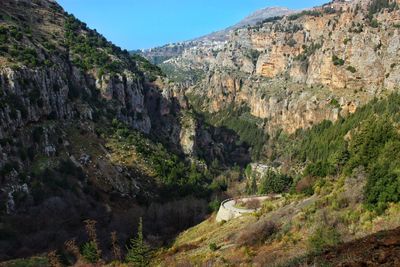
105 150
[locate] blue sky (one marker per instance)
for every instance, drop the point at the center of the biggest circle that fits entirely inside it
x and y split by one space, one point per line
135 24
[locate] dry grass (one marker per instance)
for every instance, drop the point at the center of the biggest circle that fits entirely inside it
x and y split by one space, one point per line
250 204
258 233
279 237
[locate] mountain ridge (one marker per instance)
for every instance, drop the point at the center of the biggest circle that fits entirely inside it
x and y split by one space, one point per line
159 54
251 20
99 146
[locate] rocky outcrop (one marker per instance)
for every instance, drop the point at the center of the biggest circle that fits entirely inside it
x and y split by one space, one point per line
297 71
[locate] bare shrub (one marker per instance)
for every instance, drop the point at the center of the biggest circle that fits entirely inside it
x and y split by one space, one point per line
54 259
182 248
305 185
257 233
91 250
116 249
71 247
90 226
253 204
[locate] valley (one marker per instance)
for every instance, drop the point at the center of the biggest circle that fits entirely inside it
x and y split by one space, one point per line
119 158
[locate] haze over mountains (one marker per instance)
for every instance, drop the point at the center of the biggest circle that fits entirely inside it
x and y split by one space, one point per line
159 54
250 20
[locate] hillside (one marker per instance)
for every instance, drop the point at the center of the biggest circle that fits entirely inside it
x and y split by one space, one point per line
322 85
348 190
109 160
88 131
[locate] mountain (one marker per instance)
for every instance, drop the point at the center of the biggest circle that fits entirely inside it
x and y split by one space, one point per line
103 154
88 131
322 83
290 70
251 20
160 54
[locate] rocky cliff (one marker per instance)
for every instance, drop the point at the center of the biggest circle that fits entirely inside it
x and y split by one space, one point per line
303 68
89 131
187 61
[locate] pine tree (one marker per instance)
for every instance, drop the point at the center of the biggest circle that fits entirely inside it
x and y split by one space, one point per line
138 251
247 188
253 186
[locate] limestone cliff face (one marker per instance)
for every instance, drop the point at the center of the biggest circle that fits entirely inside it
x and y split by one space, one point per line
66 76
338 29
56 73
33 95
301 69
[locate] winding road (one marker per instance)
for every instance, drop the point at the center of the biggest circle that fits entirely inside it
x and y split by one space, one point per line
227 211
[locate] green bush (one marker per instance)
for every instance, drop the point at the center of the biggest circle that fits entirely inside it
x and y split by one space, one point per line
323 237
213 247
272 19
274 182
367 144
374 23
308 51
91 50
335 103
291 42
214 205
146 66
16 33
329 10
90 253
319 169
351 69
312 13
337 61
253 54
3 35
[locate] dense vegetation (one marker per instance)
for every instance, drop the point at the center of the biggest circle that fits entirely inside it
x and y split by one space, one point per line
377 6
176 177
92 50
12 47
144 65
274 182
369 138
240 120
313 13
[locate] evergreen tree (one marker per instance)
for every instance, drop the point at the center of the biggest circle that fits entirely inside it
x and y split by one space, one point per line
248 171
138 251
253 185
247 188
